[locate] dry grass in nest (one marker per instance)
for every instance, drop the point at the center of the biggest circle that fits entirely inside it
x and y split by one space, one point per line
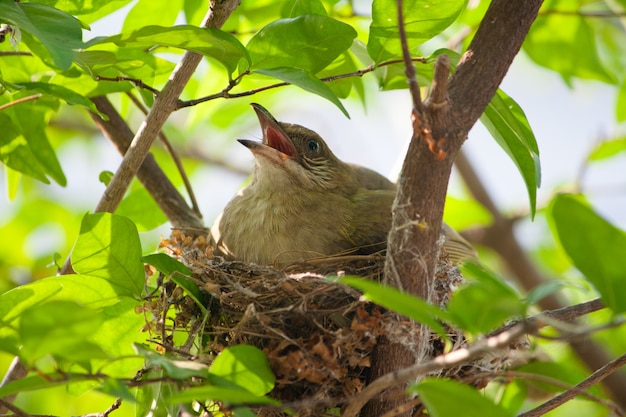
318 335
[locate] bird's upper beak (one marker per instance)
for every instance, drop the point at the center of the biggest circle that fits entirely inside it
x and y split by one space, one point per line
276 143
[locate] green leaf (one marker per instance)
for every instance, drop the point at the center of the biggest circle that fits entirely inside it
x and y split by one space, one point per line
38 382
92 291
445 398
225 394
508 125
543 290
108 247
15 152
59 328
608 149
498 302
306 81
33 119
293 8
60 92
403 303
211 42
178 273
463 213
166 264
565 372
309 42
423 19
58 31
175 368
145 12
246 367
595 246
140 207
567 44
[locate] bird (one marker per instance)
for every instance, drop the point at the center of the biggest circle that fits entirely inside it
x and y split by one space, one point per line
303 202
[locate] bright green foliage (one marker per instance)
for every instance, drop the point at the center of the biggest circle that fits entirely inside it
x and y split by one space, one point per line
400 302
58 32
498 302
446 398
94 330
423 19
508 125
211 42
577 226
108 247
245 367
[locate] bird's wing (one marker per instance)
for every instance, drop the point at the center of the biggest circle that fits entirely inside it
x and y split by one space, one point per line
370 179
371 219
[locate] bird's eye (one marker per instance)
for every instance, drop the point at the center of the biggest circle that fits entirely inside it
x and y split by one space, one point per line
313 145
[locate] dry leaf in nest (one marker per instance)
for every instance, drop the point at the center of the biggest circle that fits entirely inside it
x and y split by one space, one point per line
317 335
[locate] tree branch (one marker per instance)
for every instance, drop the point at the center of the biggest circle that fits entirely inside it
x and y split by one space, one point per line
439 132
577 389
150 174
164 104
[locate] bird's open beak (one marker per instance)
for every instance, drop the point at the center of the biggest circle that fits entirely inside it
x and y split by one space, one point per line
276 143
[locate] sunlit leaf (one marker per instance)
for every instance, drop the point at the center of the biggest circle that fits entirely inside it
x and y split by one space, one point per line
423 19
309 42
41 381
211 42
246 367
140 207
178 273
482 305
508 125
174 368
293 8
58 31
556 40
595 246
59 328
568 373
146 12
306 81
108 247
436 394
60 92
217 393
608 149
403 303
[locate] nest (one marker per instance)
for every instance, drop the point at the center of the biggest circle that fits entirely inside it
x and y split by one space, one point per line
318 335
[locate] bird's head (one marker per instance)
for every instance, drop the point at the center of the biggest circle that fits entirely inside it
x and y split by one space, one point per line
293 154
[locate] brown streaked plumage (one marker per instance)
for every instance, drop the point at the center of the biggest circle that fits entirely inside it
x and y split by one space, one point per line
303 202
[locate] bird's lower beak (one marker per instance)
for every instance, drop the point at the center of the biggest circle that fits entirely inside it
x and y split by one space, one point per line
274 135
261 149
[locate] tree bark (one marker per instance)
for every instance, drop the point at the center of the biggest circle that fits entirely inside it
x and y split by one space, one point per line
418 209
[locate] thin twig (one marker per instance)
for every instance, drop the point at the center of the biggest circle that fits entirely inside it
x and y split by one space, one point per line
17 411
409 68
15 53
225 93
135 81
577 389
547 380
20 101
